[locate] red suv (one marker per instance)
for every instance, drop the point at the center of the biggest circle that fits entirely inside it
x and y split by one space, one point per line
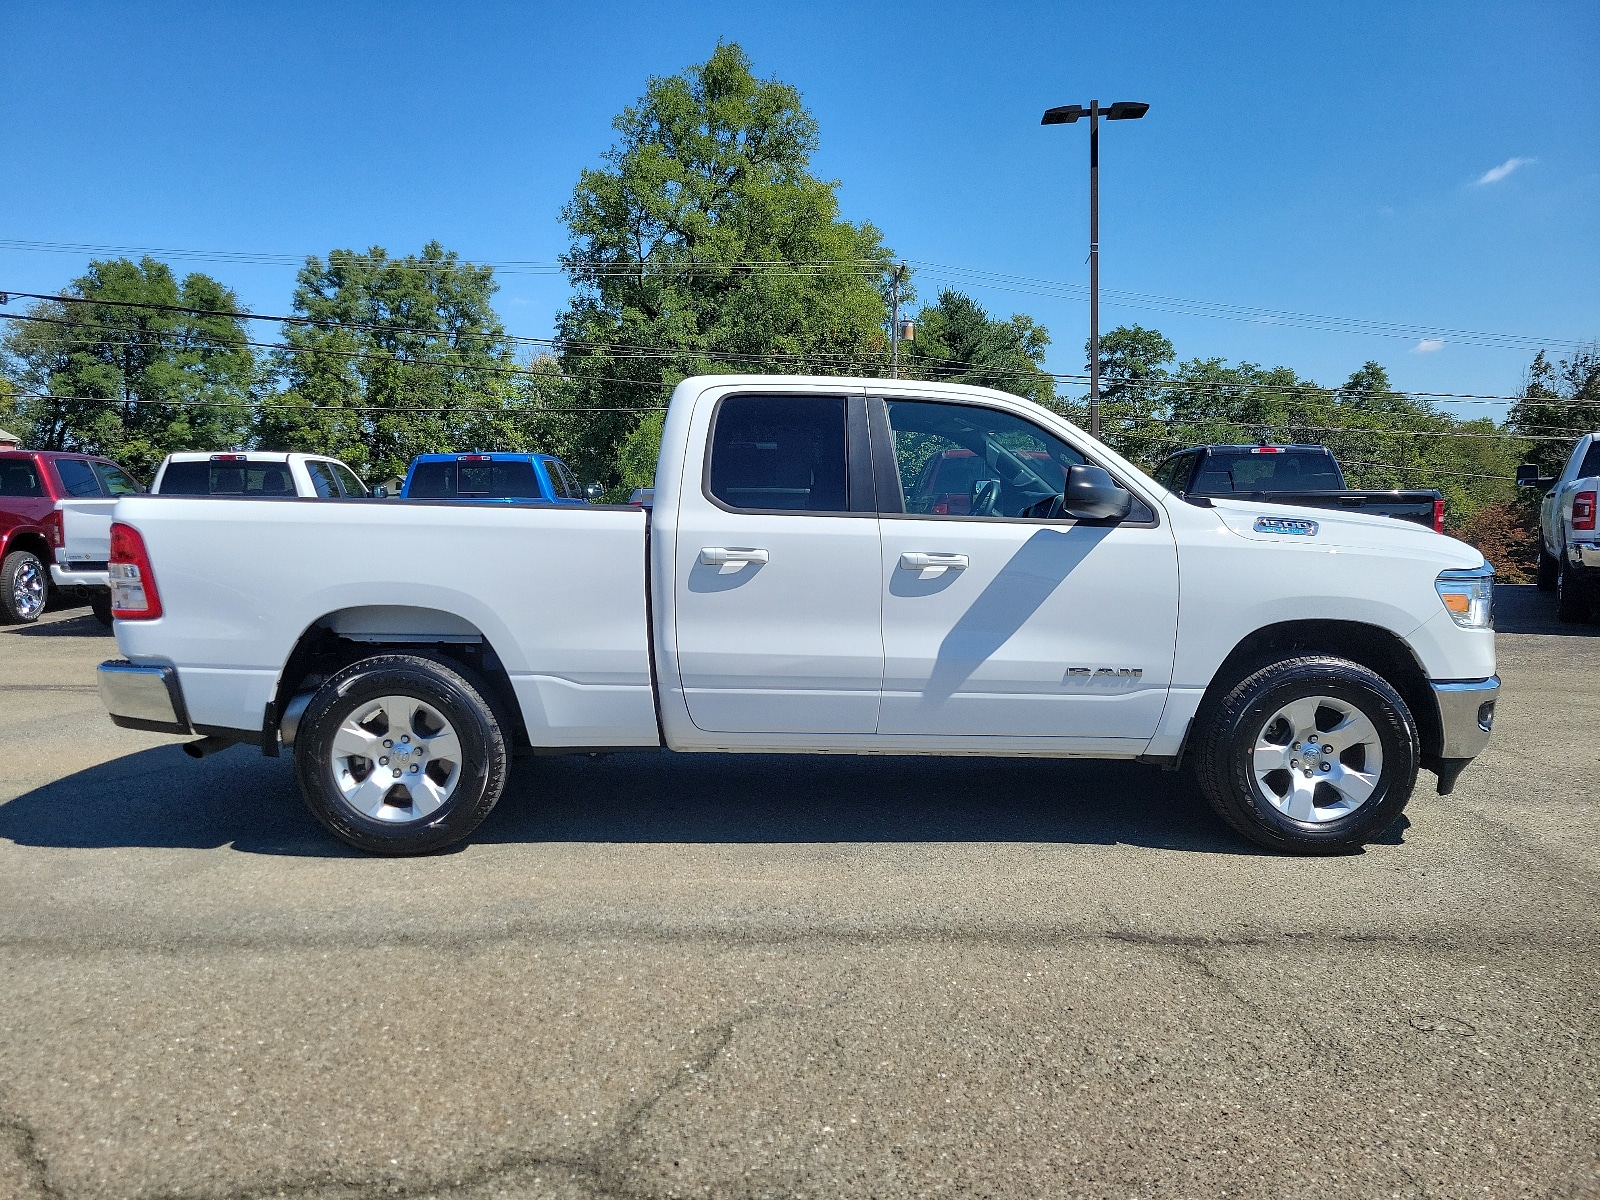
37 488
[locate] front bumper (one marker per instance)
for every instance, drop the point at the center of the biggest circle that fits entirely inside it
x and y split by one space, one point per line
1466 715
146 698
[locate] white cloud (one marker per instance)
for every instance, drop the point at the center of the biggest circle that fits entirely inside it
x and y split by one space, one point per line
1496 174
1428 346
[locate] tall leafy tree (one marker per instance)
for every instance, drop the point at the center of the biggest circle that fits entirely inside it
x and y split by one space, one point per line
130 374
704 243
957 340
1133 363
396 357
1560 402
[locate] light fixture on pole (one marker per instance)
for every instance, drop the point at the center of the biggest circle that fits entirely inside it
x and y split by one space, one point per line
1066 114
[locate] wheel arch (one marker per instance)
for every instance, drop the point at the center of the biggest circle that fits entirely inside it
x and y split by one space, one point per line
337 639
32 540
1380 650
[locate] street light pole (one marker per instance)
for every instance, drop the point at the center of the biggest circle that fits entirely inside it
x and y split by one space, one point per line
1122 110
894 326
1094 268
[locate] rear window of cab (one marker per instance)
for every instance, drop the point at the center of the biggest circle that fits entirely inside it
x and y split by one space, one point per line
227 479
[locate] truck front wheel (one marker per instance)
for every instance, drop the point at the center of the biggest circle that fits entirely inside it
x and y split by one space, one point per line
24 588
1315 755
400 754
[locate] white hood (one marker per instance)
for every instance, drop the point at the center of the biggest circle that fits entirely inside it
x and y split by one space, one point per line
1345 530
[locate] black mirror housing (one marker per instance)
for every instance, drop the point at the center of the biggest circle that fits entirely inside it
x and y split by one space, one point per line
1528 475
594 491
1092 495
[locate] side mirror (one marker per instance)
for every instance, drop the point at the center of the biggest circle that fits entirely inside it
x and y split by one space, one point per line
1528 475
594 491
1092 495
380 492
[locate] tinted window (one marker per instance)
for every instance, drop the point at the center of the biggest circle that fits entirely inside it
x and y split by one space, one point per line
116 481
780 452
224 479
569 483
960 460
474 481
1167 473
1247 471
347 479
322 478
77 477
19 478
1591 461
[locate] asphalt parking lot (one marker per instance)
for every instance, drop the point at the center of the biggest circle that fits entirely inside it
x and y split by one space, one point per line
658 975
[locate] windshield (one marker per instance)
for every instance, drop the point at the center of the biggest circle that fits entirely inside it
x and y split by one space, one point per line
1284 471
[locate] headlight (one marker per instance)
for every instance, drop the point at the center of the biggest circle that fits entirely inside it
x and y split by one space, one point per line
1469 596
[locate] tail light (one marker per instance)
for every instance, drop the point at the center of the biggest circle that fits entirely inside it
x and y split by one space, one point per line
54 528
230 458
133 582
473 458
1583 505
1438 515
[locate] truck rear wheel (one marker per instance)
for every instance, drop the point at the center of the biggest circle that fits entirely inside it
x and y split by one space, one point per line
24 588
401 754
1573 600
1549 568
1315 755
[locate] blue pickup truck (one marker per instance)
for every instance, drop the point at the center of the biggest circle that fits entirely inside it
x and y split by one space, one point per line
535 478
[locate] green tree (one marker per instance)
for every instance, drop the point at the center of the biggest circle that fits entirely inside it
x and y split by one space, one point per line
398 357
126 377
1560 403
957 340
1133 363
705 244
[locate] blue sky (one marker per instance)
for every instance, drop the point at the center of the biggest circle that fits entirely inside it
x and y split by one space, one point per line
1433 165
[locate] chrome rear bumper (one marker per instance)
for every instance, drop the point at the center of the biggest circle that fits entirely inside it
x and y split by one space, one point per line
1466 715
143 697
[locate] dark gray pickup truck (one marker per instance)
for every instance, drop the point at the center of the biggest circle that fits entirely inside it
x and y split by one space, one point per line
1308 476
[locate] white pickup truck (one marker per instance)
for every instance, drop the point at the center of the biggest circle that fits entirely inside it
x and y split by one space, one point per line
798 585
1569 543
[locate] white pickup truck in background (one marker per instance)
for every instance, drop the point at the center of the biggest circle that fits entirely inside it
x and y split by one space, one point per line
794 587
1569 543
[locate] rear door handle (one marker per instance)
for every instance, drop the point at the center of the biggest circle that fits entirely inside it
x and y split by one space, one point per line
912 561
716 556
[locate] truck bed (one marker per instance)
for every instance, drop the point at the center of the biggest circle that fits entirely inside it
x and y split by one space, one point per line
557 593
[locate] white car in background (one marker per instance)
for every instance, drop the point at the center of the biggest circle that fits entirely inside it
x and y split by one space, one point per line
256 473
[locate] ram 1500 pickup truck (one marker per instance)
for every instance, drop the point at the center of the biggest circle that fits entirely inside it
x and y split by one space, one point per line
1569 544
794 586
1305 476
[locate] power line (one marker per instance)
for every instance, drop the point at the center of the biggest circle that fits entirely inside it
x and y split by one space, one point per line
518 410
867 267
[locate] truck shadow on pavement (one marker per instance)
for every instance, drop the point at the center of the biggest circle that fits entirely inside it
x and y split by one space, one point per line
159 798
1523 608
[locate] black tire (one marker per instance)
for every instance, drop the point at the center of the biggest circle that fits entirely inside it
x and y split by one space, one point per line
24 588
456 694
1574 603
1227 733
100 605
1549 568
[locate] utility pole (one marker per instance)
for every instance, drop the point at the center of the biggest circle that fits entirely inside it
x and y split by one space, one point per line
1066 114
894 325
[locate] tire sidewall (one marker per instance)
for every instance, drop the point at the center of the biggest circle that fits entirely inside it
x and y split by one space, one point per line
482 746
9 570
1396 734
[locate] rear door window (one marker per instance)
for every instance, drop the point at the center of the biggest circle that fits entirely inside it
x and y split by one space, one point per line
78 477
780 453
116 481
19 477
322 478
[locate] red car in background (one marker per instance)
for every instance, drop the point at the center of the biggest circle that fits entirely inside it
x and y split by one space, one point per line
41 492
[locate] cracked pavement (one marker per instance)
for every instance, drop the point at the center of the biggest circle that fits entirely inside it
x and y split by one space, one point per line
738 976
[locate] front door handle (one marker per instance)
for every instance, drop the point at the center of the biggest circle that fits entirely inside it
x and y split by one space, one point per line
911 561
716 556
